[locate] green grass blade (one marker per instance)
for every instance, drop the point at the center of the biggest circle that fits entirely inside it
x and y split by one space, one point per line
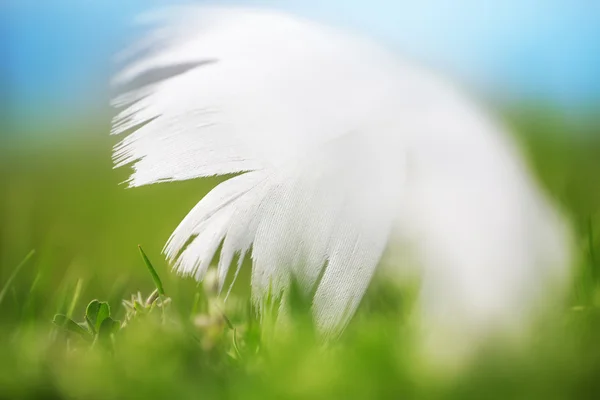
75 298
195 304
29 307
12 276
155 277
68 324
590 237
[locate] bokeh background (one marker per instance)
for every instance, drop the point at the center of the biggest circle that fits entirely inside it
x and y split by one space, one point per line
535 63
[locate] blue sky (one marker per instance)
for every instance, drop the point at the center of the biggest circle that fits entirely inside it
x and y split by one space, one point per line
59 52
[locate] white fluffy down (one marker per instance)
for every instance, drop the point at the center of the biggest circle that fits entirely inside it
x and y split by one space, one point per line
343 151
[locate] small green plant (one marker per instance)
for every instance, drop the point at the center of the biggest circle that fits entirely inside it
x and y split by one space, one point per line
98 324
211 328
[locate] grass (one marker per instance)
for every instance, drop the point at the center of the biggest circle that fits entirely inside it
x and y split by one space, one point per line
14 273
126 327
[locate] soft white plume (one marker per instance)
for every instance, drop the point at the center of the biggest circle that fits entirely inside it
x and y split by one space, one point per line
343 150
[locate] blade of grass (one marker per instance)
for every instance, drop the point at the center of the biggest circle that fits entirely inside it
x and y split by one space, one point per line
29 307
590 237
195 305
75 298
235 344
152 271
67 323
12 276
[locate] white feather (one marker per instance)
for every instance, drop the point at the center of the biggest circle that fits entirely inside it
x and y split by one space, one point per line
345 151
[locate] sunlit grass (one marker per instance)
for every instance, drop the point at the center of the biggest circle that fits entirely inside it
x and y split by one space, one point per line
177 339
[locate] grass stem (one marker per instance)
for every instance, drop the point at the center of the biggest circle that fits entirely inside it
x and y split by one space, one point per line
13 275
152 271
